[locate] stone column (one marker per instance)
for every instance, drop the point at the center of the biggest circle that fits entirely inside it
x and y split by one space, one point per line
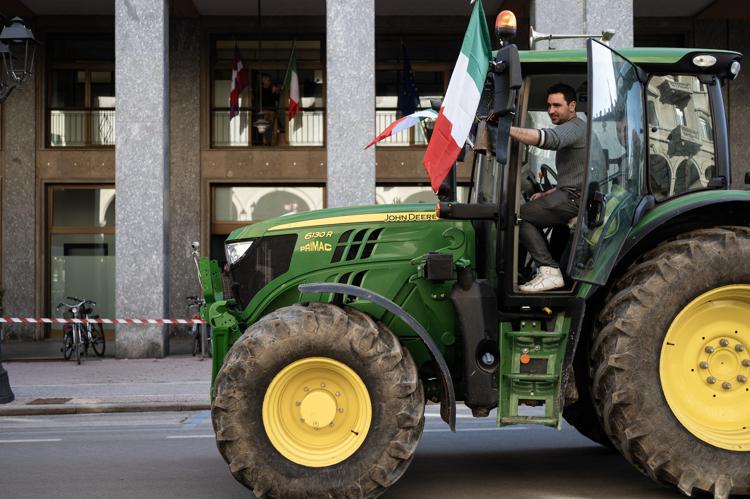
141 173
19 208
350 101
736 95
185 153
583 17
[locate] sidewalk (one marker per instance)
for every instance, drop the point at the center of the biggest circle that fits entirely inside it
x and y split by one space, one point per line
173 383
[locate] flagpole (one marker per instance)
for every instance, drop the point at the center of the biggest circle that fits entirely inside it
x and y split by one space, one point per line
289 64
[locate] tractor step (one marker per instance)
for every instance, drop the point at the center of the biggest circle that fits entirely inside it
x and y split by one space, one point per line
531 371
528 420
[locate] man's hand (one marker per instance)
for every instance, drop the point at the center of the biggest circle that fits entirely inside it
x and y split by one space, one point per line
540 195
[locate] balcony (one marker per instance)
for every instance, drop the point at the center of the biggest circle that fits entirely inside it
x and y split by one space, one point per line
306 129
81 128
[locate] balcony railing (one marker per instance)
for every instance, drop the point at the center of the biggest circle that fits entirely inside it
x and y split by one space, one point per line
80 128
306 129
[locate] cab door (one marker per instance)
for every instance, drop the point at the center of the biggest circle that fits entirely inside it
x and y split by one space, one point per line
613 183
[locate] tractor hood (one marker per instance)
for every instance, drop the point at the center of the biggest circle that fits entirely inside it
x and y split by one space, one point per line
329 217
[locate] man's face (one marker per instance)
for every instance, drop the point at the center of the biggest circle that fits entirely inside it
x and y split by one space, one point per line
560 111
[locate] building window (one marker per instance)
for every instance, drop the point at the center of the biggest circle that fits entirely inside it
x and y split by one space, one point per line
265 97
81 93
234 206
81 242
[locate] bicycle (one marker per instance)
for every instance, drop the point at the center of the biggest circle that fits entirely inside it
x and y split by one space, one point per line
94 336
77 337
72 337
196 329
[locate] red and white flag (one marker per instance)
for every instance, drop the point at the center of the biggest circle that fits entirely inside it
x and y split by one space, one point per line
461 99
292 83
240 81
404 123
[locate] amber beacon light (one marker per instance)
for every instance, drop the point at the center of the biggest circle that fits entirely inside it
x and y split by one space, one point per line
505 25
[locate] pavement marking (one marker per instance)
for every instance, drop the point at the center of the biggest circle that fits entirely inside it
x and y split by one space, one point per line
27 419
197 419
30 440
73 383
191 436
463 430
458 416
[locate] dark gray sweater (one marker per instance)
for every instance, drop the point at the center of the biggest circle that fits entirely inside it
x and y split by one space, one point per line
569 140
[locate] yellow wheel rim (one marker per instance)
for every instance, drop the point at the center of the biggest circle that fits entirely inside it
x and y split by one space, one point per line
317 412
705 367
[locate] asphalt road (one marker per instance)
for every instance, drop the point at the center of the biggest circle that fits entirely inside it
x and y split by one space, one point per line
162 455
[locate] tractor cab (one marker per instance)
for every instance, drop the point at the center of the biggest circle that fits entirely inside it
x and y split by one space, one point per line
656 132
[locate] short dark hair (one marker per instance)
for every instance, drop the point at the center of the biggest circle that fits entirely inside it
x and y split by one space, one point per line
561 88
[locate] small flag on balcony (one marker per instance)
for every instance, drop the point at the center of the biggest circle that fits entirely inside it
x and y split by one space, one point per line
404 123
408 99
240 82
291 82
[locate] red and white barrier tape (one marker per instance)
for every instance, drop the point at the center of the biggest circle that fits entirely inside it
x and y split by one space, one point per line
55 320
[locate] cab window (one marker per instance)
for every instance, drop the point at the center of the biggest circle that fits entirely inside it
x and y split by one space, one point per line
681 143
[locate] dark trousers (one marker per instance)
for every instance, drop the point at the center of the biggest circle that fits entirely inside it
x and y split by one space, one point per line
555 209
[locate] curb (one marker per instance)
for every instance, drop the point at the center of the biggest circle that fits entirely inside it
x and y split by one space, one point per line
40 410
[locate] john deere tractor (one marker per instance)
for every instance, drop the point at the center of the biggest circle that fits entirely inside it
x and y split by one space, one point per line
342 323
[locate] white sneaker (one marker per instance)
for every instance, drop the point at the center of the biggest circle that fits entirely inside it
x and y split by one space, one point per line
547 279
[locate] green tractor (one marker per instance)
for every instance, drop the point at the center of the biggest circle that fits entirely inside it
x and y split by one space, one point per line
344 322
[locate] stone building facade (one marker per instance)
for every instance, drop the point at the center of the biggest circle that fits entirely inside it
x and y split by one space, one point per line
181 170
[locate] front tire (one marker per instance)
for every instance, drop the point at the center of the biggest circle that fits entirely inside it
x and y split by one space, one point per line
670 363
316 401
77 344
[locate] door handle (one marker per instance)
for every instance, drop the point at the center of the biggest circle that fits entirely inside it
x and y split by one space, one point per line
595 205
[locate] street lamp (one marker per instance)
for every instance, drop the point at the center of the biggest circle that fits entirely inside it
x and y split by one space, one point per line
18 61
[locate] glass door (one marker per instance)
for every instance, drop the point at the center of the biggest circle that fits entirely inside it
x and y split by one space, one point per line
613 183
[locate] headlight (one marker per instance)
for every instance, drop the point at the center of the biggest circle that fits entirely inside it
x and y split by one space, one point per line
74 310
235 251
735 68
704 60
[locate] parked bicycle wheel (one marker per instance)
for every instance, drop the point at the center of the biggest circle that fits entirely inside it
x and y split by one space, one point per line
67 348
98 342
77 344
196 333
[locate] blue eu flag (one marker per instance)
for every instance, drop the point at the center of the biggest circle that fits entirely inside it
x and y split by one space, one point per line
408 99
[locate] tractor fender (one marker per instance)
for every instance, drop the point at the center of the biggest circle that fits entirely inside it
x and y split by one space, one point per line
448 401
698 211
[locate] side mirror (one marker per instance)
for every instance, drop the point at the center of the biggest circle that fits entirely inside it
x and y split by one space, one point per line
195 245
595 205
747 178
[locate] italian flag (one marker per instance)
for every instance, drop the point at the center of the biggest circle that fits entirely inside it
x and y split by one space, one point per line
292 83
461 100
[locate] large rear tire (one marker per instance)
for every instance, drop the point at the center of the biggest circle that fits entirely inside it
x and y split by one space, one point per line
316 401
670 363
582 414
